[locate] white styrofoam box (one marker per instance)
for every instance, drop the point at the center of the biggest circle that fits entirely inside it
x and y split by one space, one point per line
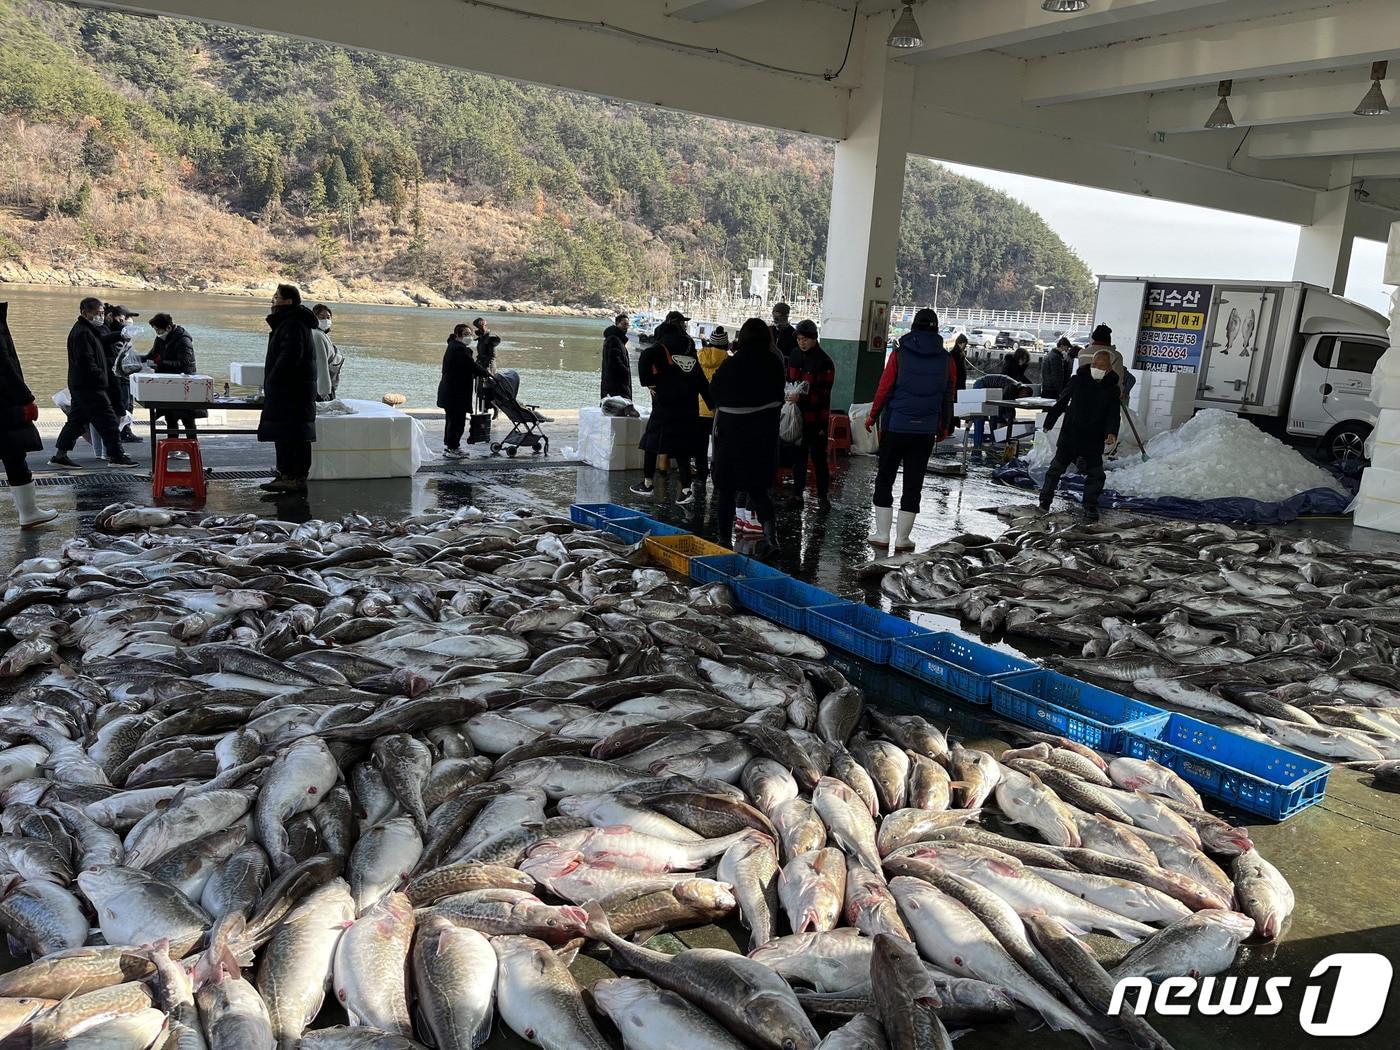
150 388
610 442
976 398
246 373
375 441
1378 504
1392 255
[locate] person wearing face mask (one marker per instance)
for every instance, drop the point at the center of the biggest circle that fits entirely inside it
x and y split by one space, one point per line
116 344
1091 409
329 359
90 390
289 390
173 354
486 344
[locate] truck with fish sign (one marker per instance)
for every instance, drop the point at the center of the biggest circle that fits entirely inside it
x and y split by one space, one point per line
1292 357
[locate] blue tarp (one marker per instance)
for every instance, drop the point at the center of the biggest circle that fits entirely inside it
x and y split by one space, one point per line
1313 503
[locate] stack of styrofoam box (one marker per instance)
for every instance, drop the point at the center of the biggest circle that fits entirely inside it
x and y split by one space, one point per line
373 441
151 388
987 399
1170 401
610 442
1378 503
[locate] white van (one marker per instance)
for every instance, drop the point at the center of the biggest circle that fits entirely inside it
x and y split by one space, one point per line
1293 357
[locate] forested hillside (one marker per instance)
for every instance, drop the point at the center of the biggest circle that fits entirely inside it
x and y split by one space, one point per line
193 155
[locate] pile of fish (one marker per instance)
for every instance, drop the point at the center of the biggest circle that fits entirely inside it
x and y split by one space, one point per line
417 766
1293 641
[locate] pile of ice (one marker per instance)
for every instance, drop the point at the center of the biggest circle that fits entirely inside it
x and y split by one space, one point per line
1217 455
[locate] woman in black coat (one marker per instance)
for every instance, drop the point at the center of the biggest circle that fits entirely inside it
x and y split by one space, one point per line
18 434
747 396
670 370
454 396
289 390
173 355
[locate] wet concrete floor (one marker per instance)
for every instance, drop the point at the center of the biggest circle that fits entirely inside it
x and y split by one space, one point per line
1342 857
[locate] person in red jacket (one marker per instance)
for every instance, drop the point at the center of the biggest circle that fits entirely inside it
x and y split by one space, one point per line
914 407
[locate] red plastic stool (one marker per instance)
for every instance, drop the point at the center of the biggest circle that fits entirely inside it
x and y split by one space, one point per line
839 433
162 477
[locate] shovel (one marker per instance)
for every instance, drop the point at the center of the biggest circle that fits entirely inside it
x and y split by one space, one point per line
1136 436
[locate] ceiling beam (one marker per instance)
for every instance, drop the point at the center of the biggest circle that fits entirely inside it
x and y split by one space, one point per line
1296 100
704 10
975 25
1339 139
1378 166
1348 34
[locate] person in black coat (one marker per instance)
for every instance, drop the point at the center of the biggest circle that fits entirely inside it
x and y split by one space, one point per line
117 320
1055 369
617 366
486 344
89 390
289 390
18 434
1090 405
671 371
460 371
172 354
747 396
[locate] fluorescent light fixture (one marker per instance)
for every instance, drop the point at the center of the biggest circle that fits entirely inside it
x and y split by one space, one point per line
905 33
1222 117
1374 104
1065 7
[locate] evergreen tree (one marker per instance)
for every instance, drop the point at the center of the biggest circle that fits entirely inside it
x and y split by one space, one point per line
339 193
317 199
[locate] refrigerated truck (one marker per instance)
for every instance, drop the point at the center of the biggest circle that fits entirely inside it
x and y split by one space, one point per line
1292 357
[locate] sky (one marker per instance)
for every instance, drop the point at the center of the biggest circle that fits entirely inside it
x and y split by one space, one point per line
1117 233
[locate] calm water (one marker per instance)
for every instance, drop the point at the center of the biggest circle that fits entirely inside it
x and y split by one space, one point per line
387 348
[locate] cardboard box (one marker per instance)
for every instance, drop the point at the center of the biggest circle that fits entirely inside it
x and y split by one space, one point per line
977 398
246 373
150 388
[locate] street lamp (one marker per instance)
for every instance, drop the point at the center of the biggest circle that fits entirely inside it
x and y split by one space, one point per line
1042 289
937 283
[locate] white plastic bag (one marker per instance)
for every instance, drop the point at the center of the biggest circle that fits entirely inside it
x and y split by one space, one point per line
128 363
64 400
790 426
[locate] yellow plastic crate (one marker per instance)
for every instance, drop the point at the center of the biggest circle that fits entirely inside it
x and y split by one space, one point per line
675 552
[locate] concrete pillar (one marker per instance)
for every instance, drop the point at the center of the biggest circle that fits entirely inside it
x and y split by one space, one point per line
1324 248
867 192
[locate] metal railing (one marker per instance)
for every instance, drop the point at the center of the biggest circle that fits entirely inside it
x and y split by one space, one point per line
976 317
733 310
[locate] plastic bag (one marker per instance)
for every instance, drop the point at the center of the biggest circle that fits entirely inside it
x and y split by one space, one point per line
128 363
64 400
790 425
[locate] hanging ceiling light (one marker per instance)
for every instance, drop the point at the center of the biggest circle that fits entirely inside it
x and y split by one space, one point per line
1222 117
1065 7
1374 104
905 33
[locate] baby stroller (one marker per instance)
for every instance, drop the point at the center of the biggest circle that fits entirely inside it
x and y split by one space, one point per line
501 391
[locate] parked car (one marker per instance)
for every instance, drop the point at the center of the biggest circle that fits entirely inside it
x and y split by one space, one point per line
950 333
983 337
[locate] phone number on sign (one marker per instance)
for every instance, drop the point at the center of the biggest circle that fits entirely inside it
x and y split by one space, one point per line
1166 353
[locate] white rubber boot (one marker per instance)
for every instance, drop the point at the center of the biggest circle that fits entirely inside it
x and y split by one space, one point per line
880 535
902 542
30 515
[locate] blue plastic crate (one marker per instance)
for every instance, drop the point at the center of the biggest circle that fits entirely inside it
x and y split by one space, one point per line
599 514
859 629
952 662
782 599
726 568
631 529
1248 774
1058 704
